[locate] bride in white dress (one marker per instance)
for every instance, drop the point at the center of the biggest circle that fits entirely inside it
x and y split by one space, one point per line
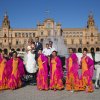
30 62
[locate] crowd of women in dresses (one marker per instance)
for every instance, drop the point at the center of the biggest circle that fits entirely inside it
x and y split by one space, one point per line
47 67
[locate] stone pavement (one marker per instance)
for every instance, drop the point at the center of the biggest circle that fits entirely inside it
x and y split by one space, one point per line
31 93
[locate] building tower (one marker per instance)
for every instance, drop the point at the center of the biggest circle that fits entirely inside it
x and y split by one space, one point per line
5 30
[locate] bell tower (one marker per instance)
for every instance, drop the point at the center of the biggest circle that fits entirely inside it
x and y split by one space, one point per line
6 22
5 30
90 22
91 30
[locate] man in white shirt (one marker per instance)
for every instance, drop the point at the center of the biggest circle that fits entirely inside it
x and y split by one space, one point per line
51 47
47 50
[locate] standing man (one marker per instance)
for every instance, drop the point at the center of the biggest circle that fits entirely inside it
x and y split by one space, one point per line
51 46
38 46
46 50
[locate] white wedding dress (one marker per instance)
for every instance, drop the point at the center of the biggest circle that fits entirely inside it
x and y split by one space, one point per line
30 63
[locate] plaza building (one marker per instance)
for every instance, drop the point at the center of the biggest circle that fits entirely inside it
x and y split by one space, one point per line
77 38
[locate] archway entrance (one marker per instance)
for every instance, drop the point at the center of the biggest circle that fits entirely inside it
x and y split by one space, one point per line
92 50
6 51
74 49
18 49
0 50
80 50
85 49
97 49
23 49
12 49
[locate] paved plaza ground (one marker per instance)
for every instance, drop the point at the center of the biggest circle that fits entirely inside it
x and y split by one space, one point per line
31 93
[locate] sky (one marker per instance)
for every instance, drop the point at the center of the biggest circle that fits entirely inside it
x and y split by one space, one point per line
70 13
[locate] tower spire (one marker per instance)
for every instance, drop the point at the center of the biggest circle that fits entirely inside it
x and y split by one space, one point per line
90 21
47 13
91 13
6 22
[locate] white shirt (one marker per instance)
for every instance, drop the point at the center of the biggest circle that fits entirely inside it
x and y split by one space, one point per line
52 49
46 52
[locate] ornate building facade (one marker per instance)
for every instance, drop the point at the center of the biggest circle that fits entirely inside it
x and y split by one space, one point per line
77 38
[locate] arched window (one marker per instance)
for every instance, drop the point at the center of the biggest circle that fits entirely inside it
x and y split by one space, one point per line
19 34
18 49
23 49
33 34
16 42
6 51
25 41
15 34
5 35
23 35
92 35
72 41
49 33
42 33
85 49
92 49
5 40
41 40
87 42
30 34
26 34
80 50
97 49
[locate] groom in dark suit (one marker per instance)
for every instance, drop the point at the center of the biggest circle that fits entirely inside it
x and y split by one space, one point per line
38 46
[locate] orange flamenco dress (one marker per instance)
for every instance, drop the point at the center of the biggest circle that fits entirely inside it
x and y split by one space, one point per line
87 74
15 72
3 74
42 75
56 74
72 78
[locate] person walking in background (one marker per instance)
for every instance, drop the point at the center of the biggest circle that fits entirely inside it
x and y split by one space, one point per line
56 73
15 71
42 75
3 72
87 65
72 78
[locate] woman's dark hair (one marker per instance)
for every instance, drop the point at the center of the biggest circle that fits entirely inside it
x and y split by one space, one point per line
0 51
55 52
71 49
33 43
14 52
85 50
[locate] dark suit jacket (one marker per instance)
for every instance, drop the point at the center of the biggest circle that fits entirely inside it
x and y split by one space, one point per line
39 46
